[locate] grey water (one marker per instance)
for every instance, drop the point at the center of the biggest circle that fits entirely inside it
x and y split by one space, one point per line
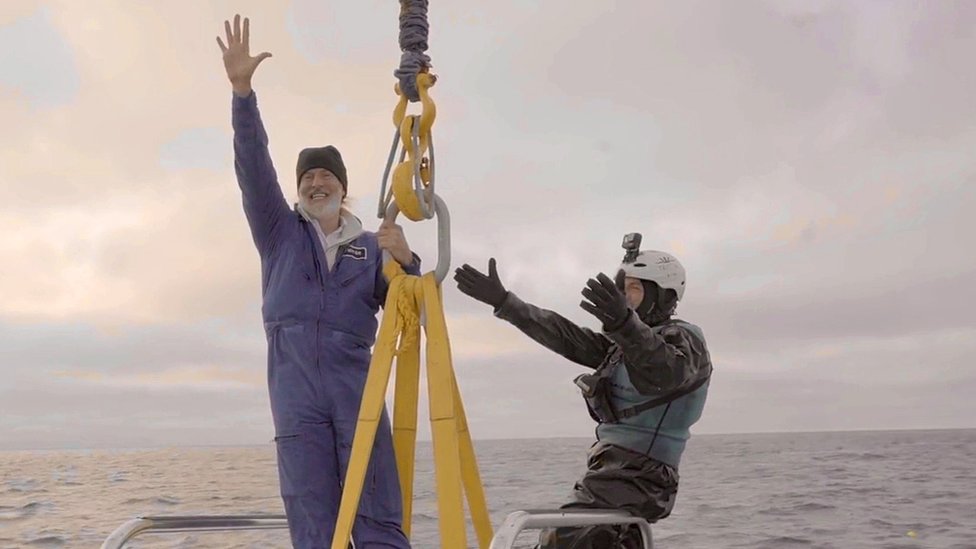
896 489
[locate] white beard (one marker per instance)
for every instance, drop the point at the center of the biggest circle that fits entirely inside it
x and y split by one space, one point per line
323 209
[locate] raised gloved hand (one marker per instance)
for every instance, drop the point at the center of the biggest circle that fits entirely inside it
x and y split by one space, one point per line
606 302
486 289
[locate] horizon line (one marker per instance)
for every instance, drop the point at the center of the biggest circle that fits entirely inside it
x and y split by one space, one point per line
484 439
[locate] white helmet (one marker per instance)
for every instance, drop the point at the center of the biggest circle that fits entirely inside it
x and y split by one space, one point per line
659 267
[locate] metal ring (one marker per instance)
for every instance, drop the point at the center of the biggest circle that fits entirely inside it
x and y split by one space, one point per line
383 199
443 236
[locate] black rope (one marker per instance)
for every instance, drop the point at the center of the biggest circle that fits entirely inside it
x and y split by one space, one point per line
658 428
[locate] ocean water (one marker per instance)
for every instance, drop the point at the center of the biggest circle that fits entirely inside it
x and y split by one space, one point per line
908 489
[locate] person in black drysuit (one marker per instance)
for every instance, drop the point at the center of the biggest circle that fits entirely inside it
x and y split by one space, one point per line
649 385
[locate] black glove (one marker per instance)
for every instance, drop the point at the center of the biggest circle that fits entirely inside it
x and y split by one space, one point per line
487 289
609 304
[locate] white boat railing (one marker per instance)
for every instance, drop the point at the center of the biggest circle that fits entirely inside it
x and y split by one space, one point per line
518 521
504 538
191 523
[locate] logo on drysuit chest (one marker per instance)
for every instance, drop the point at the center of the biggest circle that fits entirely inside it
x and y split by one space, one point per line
355 252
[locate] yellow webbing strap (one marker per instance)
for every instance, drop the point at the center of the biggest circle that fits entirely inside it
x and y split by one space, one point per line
455 464
410 298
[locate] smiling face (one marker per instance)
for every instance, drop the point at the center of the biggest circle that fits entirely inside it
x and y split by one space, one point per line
320 193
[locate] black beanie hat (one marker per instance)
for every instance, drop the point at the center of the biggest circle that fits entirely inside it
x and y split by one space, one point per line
327 157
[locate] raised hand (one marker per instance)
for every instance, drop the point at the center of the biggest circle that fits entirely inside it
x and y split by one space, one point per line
391 239
605 301
238 61
485 288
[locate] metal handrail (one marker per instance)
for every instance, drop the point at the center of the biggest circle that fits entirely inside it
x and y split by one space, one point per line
191 523
504 538
517 521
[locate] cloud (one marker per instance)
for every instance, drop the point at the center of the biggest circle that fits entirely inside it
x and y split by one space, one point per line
58 414
808 162
37 61
75 349
905 307
760 402
357 32
197 149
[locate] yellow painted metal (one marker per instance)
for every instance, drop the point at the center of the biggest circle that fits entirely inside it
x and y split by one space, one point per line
403 188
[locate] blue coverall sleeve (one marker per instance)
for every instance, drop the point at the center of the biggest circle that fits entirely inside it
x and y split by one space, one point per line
264 204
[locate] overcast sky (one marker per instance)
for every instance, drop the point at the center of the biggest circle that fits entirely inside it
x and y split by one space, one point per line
810 163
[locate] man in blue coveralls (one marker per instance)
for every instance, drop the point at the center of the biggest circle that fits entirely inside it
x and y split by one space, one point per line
322 286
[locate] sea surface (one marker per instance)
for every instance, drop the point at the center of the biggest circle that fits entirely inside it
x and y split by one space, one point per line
908 489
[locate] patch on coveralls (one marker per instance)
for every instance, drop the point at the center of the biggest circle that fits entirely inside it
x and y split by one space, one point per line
355 252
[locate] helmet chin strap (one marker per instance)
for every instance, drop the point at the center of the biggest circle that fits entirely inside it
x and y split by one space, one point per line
656 316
